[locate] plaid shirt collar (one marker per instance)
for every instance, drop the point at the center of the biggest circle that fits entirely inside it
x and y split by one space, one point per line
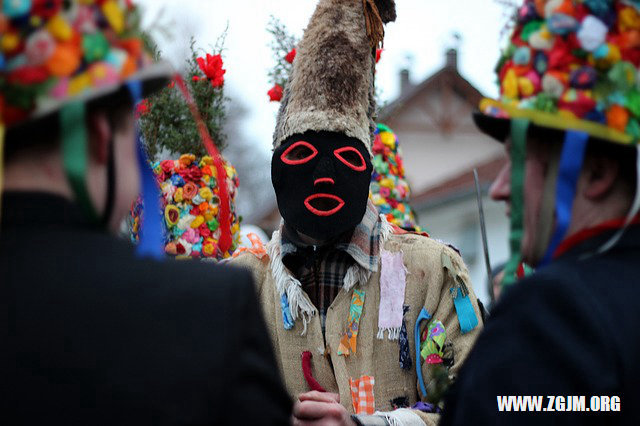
362 244
321 271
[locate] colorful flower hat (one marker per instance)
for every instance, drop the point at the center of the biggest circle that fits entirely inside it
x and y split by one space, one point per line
58 55
571 65
191 207
390 191
53 52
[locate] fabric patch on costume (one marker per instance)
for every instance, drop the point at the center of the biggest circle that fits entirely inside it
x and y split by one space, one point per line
362 396
308 375
348 343
464 309
393 280
367 239
257 247
432 346
426 407
424 316
288 321
403 343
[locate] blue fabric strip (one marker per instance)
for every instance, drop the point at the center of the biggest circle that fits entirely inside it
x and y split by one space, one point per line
575 144
424 316
287 319
151 242
466 314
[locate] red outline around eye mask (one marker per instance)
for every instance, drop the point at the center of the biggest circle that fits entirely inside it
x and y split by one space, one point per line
321 212
285 160
361 168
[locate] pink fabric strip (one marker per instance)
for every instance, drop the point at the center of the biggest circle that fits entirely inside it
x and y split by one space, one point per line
393 279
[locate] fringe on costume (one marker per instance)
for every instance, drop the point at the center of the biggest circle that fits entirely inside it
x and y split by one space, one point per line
393 333
299 304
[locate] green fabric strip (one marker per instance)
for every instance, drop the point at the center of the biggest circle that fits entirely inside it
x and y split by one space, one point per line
519 128
75 154
548 206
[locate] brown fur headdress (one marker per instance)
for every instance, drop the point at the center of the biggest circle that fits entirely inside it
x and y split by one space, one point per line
331 86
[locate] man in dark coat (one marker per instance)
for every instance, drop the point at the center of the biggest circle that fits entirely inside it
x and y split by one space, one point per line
563 344
95 334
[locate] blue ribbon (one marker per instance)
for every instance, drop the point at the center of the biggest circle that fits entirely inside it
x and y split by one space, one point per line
424 316
287 319
575 144
466 314
151 242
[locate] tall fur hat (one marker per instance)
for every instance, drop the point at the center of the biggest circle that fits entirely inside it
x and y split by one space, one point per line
331 86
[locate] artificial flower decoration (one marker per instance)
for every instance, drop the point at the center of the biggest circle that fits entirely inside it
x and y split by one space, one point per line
142 108
53 50
211 66
378 55
45 9
190 198
389 189
290 56
573 64
275 94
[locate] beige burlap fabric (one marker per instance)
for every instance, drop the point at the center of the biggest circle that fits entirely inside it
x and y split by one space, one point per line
427 285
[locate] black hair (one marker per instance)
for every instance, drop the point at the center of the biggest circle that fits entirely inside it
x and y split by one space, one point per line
623 155
43 133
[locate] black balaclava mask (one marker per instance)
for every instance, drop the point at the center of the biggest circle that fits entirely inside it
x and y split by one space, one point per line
321 180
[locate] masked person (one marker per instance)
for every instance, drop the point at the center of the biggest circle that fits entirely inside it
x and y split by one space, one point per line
95 335
348 297
569 119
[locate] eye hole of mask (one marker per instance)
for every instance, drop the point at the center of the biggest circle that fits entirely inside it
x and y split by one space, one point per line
299 153
351 158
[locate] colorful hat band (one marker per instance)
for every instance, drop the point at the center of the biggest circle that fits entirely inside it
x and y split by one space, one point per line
572 157
73 133
547 207
151 243
519 129
498 109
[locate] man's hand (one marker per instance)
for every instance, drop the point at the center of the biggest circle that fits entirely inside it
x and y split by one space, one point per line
320 409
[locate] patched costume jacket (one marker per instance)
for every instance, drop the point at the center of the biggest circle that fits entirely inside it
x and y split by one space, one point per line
371 378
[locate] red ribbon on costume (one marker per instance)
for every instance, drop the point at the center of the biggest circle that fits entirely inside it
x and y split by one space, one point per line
308 376
224 243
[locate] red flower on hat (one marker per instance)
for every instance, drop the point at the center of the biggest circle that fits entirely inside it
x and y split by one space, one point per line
291 56
143 107
28 75
193 173
167 166
212 68
560 57
275 94
378 55
46 8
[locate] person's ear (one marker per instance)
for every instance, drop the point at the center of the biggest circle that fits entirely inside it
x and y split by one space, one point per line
601 175
100 136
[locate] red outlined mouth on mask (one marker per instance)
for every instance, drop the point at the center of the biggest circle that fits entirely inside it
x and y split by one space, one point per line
323 204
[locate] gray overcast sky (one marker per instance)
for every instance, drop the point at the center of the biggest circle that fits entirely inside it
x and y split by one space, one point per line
423 31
